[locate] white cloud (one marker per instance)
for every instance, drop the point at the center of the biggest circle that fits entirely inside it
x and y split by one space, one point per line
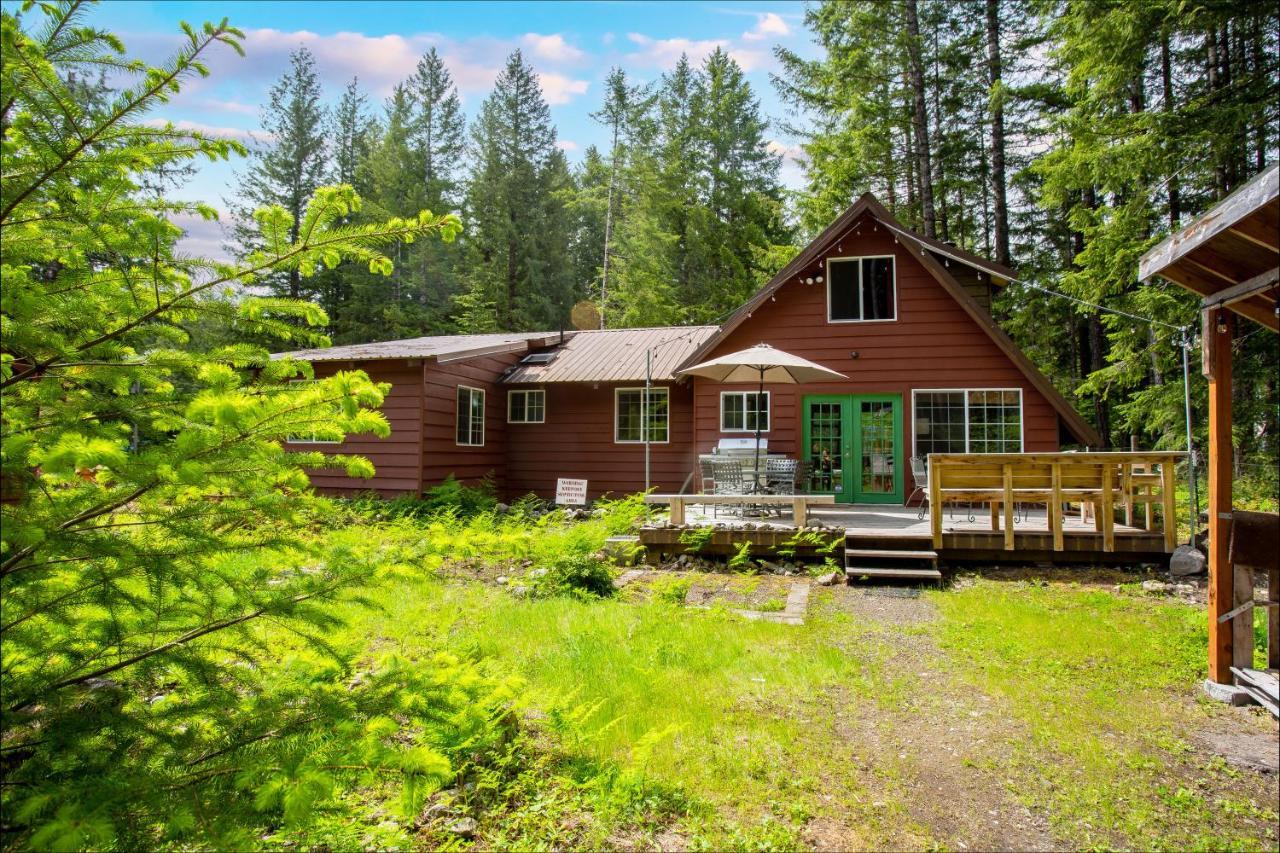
751 60
768 25
203 238
221 132
794 161
223 106
552 47
559 89
607 38
665 53
566 145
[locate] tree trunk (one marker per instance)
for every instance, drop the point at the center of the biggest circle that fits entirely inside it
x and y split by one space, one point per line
920 120
1215 84
1000 198
1166 79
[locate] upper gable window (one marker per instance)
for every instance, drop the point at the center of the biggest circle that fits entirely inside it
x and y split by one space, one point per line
861 289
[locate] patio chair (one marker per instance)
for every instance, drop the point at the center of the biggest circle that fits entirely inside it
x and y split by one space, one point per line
780 475
920 474
706 466
729 478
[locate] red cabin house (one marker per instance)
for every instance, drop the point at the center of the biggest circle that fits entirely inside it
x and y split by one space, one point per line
905 317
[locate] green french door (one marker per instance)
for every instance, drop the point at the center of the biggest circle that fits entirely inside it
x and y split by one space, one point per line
853 444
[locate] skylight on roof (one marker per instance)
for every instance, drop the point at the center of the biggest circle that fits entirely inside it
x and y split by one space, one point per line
539 357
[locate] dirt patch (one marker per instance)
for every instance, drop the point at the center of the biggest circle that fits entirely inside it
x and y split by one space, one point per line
1258 752
938 749
740 592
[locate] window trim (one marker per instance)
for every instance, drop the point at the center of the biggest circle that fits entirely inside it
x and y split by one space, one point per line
618 391
457 410
289 439
830 282
768 411
527 391
1022 414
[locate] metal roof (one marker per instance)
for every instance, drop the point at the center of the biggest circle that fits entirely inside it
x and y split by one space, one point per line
616 355
439 347
1229 254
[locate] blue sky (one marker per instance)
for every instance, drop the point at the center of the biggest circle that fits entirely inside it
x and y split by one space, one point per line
572 46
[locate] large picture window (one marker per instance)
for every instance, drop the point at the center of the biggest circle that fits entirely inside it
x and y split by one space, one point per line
637 421
744 411
968 421
861 289
470 416
526 406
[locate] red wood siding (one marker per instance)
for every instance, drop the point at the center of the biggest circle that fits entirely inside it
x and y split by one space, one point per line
576 441
441 454
395 457
933 344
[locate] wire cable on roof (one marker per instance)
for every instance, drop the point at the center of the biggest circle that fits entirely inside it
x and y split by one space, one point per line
1077 300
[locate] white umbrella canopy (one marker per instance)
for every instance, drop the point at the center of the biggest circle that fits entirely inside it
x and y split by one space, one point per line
762 363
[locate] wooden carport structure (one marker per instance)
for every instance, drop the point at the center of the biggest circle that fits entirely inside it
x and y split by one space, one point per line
1229 256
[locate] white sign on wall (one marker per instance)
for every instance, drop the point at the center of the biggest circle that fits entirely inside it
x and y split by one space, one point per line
571 492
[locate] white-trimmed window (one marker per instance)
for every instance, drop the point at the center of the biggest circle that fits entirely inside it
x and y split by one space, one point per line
308 438
742 411
968 420
470 416
862 289
636 419
526 406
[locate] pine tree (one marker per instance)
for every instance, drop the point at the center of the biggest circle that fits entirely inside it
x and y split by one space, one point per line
513 280
141 468
288 167
438 143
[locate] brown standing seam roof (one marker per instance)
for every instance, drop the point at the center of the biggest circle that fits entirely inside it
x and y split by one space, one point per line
440 347
868 204
616 355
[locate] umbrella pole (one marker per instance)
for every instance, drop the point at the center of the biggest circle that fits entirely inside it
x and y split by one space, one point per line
755 481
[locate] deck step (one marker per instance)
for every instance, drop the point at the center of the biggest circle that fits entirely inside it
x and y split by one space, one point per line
854 572
890 554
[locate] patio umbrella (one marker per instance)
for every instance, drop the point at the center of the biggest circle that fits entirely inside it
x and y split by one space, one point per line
762 363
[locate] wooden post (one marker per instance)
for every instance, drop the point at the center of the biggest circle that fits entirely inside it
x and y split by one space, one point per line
1168 494
1273 618
1008 507
677 510
935 505
995 516
1107 511
1055 508
1217 354
1126 490
1242 623
798 513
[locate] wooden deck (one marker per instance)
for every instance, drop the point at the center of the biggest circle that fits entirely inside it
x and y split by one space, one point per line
966 537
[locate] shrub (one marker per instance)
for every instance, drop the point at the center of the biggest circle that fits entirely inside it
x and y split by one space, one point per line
576 574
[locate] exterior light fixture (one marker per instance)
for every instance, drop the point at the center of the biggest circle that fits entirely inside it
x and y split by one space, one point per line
809 280
819 281
853 353
1222 321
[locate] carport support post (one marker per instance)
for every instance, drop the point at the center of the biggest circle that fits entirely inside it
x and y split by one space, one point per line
1216 343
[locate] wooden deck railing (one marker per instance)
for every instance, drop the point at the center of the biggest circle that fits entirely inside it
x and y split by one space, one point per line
1104 481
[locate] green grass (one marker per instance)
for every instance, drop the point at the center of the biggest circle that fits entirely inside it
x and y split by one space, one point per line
644 717
1095 678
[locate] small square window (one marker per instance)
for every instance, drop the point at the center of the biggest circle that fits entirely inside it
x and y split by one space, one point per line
861 289
526 406
744 411
637 419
